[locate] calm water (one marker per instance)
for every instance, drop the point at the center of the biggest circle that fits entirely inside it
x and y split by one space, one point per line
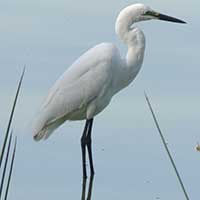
130 161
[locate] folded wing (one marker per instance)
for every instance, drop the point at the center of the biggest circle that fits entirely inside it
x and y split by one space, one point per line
89 77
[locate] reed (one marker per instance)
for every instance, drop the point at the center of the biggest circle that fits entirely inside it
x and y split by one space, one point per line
166 148
6 149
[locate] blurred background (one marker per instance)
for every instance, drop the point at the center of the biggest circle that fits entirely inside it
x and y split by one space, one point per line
130 161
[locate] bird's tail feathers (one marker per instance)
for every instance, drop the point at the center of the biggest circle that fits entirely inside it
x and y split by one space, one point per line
43 134
47 130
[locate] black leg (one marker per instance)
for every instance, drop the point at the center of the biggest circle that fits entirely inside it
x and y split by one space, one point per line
89 146
89 194
90 187
83 148
86 141
83 189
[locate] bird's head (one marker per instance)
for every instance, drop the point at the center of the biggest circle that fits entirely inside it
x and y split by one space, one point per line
146 13
140 12
136 13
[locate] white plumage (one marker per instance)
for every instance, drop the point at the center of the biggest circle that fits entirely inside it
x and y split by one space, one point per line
88 86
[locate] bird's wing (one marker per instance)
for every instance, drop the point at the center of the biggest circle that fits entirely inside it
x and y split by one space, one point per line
87 78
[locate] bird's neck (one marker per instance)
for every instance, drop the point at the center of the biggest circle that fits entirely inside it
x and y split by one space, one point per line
131 65
135 41
134 38
134 58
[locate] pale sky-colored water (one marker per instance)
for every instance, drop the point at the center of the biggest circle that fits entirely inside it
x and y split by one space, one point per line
130 161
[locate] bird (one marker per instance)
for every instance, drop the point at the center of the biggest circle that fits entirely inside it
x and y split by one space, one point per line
86 88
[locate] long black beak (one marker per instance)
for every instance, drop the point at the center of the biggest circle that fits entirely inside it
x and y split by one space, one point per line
170 19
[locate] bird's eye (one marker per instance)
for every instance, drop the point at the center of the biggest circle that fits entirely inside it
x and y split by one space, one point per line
147 13
151 13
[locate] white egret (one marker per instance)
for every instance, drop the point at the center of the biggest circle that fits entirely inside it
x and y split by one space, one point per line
87 87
